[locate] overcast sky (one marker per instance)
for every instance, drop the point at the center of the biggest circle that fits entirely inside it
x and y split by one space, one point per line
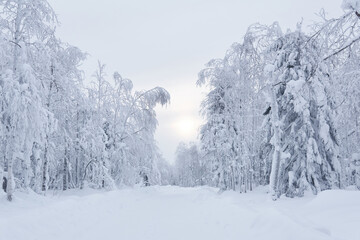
167 42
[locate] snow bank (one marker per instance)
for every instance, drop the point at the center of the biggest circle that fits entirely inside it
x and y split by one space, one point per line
174 213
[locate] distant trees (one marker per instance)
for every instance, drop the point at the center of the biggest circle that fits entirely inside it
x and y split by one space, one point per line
55 133
190 170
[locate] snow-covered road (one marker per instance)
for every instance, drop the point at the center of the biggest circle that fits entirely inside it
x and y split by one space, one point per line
173 213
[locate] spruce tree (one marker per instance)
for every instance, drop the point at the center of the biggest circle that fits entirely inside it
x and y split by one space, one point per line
305 141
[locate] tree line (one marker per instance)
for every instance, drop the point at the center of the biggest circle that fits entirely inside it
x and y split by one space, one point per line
57 133
282 110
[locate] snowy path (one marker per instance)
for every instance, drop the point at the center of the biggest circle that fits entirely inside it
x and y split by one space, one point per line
173 213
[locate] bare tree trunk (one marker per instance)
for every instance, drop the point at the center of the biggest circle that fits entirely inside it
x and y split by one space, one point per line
10 181
65 172
46 150
10 178
77 148
45 168
275 167
251 178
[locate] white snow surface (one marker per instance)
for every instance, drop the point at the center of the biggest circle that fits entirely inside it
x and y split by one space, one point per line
175 213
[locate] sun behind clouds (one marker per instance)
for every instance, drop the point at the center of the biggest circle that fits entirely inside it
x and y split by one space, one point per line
186 127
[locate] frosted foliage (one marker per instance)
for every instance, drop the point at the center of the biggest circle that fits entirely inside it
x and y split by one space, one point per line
305 127
281 110
286 82
231 137
351 5
55 134
190 169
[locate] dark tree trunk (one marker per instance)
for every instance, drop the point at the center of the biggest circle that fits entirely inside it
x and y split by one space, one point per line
4 184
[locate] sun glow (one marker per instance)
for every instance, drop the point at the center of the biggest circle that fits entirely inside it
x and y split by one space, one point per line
186 127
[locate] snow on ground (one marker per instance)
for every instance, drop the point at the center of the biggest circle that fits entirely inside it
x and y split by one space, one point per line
174 213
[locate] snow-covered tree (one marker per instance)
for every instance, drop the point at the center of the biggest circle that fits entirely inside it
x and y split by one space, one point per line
53 134
305 141
190 170
24 25
231 137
